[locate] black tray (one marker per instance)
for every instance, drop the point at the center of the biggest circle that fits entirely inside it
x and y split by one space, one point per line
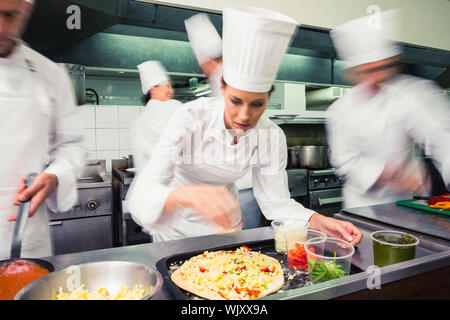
166 266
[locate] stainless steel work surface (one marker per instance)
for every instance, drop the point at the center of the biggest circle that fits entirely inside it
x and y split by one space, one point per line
424 222
430 256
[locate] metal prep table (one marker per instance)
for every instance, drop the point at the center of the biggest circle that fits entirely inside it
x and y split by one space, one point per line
432 258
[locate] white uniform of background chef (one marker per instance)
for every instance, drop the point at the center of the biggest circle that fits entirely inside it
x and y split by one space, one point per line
38 125
161 106
371 128
207 46
186 189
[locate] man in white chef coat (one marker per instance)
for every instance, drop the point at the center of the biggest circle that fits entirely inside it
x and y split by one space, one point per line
373 127
156 86
207 46
39 132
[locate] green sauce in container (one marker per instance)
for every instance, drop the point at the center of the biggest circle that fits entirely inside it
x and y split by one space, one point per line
391 247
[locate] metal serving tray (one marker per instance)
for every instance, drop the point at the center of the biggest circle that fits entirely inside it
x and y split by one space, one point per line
292 279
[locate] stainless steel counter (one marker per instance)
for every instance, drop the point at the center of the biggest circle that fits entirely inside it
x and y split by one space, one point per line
433 224
432 254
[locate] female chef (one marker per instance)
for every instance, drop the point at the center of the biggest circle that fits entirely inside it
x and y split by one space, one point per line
160 106
187 188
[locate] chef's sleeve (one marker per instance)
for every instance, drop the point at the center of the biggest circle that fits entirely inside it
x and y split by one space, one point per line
346 154
270 181
150 188
66 152
429 123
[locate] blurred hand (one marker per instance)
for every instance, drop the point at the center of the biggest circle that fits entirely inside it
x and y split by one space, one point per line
215 203
43 185
409 178
336 228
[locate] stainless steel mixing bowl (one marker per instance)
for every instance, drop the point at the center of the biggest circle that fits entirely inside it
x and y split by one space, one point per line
105 274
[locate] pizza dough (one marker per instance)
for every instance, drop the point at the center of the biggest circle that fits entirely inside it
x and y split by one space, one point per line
231 275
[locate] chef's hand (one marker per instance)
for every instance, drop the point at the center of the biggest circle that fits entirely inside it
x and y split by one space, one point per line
336 228
410 185
43 185
214 202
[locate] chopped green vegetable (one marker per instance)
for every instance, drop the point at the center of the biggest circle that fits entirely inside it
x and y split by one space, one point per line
325 271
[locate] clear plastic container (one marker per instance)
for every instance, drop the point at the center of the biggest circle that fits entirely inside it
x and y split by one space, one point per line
391 247
328 259
287 227
296 253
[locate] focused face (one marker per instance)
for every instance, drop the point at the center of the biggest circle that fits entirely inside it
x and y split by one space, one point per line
242 108
162 92
374 73
14 15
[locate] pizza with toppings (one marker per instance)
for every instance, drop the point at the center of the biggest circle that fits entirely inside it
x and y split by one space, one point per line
241 274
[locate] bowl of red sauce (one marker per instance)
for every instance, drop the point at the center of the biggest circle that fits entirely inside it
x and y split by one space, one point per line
17 273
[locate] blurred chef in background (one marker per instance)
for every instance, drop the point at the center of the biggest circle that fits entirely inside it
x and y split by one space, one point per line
372 128
187 189
39 132
207 46
160 106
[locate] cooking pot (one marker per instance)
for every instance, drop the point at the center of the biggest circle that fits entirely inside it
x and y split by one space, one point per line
293 154
313 157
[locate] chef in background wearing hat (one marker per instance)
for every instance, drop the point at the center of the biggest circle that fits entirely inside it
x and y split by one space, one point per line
372 128
39 132
207 45
187 188
160 106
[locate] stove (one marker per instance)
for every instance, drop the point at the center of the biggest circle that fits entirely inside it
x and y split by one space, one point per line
126 230
324 189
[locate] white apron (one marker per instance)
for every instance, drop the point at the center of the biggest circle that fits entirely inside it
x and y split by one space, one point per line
24 126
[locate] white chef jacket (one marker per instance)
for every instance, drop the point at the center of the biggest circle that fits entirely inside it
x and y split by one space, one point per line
39 125
215 82
149 127
365 133
213 160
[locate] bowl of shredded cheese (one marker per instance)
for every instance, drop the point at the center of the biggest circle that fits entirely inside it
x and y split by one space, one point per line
105 280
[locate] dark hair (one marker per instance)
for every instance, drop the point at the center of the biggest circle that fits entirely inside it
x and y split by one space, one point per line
146 97
224 84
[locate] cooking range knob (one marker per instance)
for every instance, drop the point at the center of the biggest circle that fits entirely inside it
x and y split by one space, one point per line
92 205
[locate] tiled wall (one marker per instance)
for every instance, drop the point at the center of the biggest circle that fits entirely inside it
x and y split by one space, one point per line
107 130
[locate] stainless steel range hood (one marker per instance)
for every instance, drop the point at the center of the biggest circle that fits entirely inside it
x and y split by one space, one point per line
188 86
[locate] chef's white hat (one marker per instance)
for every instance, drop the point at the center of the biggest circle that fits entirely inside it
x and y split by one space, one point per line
204 38
30 1
151 73
254 43
367 39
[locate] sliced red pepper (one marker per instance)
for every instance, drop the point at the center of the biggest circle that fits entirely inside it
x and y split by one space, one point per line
203 269
241 268
252 293
266 269
246 248
237 290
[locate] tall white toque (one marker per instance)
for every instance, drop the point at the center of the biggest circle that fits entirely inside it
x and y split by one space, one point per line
367 39
151 73
254 43
205 40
